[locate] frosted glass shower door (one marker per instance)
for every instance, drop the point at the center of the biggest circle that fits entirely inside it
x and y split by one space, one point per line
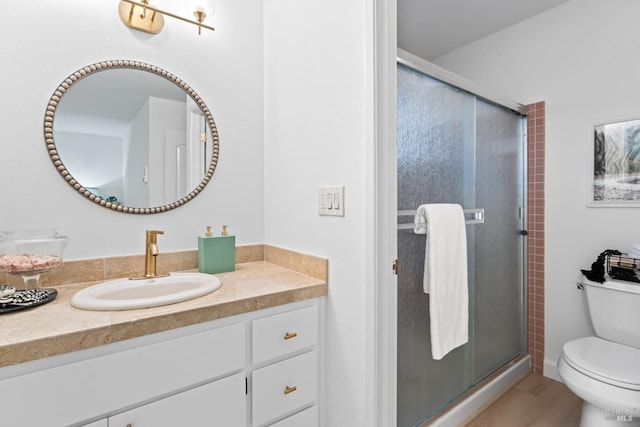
435 165
455 148
498 291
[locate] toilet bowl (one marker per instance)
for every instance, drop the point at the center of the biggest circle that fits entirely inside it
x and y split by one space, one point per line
604 370
606 376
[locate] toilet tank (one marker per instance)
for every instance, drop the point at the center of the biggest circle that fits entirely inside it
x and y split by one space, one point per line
614 308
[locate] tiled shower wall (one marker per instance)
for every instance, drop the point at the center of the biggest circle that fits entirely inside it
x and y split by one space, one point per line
535 241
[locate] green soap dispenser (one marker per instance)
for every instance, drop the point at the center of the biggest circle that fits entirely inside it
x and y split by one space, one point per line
216 254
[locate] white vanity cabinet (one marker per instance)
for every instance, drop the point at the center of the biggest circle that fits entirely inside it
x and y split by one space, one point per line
217 401
285 377
100 423
250 370
306 418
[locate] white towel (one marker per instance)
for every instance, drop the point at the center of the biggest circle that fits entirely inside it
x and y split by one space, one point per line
445 275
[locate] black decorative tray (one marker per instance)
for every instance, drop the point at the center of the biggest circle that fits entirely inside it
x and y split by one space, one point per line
21 300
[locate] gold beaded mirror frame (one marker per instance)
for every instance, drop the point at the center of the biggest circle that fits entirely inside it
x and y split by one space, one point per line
75 147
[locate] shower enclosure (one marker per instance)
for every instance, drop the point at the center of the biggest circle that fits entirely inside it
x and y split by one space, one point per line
454 147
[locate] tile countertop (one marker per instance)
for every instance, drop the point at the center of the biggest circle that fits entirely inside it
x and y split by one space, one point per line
57 327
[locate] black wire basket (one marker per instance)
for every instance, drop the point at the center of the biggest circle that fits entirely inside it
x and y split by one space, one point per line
623 267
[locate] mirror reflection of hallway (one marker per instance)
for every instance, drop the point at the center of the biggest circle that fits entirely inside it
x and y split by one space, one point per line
137 138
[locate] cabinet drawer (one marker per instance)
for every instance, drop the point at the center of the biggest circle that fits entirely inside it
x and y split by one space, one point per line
284 387
281 334
108 383
221 403
306 418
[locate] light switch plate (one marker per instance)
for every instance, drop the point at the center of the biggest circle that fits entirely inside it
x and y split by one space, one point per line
331 201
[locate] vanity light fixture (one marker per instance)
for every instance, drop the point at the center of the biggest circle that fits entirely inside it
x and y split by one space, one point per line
140 15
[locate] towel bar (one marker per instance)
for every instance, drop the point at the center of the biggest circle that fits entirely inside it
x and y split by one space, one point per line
476 216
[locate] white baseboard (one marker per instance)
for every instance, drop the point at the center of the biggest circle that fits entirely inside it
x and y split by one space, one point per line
551 370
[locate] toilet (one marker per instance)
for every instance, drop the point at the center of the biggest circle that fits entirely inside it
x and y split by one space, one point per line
604 370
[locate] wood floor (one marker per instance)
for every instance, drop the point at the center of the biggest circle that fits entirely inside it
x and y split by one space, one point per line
534 401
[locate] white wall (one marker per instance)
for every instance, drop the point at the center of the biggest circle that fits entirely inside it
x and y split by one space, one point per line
93 159
136 189
581 58
43 44
165 118
316 126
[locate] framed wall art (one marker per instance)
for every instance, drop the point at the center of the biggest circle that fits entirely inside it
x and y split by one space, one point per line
615 163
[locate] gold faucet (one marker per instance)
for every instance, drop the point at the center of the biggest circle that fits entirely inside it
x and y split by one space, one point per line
150 256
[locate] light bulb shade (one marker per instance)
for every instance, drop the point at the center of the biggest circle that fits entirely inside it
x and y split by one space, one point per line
198 7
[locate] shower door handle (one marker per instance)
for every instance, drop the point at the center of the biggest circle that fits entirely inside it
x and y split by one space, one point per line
477 216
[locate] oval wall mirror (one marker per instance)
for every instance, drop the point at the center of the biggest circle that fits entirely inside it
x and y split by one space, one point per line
131 136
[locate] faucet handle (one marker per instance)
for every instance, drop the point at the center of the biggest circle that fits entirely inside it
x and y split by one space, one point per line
151 236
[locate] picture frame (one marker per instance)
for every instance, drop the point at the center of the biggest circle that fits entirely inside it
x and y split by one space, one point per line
614 172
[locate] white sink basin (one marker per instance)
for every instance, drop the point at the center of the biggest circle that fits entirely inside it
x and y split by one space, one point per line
125 294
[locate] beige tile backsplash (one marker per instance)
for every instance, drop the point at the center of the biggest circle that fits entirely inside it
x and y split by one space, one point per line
97 269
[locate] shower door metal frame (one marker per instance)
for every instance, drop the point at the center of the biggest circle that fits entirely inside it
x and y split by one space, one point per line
438 73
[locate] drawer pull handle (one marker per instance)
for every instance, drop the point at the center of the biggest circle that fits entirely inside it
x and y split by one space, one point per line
290 335
288 389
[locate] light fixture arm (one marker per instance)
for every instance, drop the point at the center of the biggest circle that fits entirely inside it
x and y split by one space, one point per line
200 15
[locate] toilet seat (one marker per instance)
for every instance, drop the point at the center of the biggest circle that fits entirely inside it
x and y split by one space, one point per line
605 361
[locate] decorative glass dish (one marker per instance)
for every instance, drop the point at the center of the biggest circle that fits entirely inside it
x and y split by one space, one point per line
29 253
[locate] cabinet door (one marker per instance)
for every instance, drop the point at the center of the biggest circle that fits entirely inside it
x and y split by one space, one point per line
99 423
220 403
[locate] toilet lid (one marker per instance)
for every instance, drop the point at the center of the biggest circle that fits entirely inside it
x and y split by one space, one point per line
606 361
